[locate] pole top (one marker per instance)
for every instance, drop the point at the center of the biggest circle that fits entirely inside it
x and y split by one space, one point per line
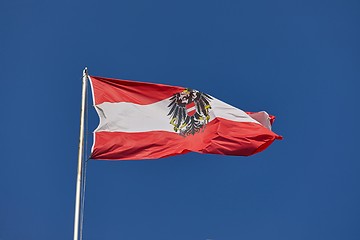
85 72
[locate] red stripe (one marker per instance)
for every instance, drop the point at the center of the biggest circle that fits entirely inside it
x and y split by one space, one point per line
220 136
117 90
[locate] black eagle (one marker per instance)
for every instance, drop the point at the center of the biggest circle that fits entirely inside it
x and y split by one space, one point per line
183 122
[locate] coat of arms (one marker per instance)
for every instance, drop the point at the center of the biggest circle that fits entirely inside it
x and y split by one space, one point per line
189 111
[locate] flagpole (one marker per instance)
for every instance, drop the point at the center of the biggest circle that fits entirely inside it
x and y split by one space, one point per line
80 156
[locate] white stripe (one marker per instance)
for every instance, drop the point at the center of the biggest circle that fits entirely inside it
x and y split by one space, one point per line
130 117
263 118
191 109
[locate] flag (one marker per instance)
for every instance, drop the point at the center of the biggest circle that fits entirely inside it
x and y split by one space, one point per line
141 120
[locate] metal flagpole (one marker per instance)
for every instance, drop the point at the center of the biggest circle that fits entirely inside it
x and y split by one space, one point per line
80 156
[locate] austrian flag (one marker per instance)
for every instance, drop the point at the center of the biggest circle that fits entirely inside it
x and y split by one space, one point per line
141 120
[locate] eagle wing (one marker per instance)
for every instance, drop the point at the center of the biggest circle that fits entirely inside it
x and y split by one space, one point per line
203 103
177 111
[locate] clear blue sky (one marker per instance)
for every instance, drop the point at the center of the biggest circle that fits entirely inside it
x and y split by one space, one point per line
298 60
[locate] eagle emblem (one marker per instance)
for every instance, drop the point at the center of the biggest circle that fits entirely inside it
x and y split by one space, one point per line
189 111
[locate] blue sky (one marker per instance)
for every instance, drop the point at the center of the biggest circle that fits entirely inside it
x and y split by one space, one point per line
298 60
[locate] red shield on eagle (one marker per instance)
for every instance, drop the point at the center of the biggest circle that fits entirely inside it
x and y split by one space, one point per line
190 109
